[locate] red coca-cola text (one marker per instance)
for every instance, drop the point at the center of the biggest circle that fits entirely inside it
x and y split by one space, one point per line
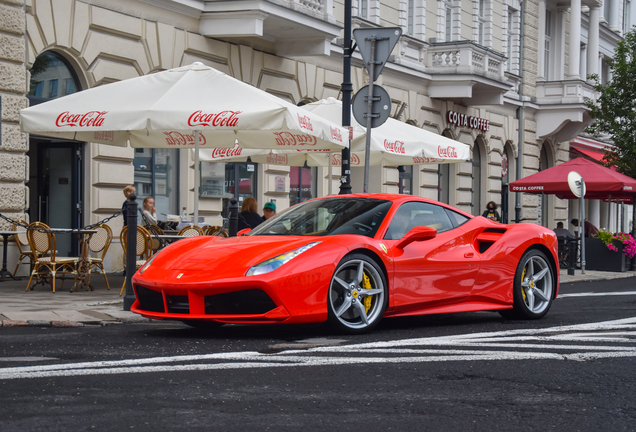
222 119
90 119
394 146
291 139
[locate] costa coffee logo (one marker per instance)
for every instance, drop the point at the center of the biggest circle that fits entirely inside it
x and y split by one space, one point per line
277 159
336 159
335 134
90 119
218 153
447 152
394 147
305 122
291 139
463 120
222 119
174 138
104 136
425 160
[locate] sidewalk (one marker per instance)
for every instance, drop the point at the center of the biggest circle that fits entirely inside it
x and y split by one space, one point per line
41 307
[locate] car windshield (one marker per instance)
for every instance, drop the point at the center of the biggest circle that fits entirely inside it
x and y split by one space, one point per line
331 216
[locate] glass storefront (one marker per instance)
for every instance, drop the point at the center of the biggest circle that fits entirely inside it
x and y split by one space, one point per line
157 175
302 184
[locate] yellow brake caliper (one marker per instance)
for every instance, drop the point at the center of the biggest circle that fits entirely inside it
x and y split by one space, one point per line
523 292
366 284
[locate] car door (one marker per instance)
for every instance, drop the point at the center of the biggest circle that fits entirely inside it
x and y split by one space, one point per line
431 272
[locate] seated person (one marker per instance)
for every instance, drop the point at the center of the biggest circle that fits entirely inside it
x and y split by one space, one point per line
562 232
590 229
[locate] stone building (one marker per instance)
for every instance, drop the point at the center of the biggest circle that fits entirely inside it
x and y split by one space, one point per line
456 71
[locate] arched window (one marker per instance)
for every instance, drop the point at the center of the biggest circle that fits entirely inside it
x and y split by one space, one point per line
51 77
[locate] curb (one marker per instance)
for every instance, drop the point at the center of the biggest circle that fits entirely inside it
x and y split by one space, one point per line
69 324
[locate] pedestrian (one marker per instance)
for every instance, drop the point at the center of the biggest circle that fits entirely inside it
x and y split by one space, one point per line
130 189
269 210
562 232
248 217
150 214
589 229
491 212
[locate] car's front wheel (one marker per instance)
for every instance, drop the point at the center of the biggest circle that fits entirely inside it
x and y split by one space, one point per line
357 295
534 287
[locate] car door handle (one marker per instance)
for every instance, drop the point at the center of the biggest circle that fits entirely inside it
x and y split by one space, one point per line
469 255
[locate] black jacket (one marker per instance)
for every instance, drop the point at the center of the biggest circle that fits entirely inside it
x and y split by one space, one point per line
249 220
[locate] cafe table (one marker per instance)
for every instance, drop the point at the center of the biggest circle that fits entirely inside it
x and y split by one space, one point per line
4 273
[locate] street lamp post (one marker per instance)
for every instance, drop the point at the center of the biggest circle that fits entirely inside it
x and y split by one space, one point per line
347 87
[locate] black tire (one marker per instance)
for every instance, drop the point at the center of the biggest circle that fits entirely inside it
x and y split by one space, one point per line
203 325
348 310
534 287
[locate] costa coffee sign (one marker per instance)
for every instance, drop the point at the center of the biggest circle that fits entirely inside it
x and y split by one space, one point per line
222 119
336 159
89 119
305 122
174 138
463 120
447 152
219 153
289 139
394 146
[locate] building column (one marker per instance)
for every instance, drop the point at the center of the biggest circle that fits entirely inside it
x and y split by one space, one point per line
575 40
541 48
593 41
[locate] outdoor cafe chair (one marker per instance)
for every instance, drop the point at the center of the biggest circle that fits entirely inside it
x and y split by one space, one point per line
218 231
48 264
24 247
155 243
143 251
98 244
191 231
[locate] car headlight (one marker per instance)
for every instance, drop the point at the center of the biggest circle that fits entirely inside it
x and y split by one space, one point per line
273 263
146 264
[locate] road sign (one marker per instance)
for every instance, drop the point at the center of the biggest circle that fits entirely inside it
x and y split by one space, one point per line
381 108
384 39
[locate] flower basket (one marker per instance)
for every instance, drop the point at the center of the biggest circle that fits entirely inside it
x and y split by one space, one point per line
599 257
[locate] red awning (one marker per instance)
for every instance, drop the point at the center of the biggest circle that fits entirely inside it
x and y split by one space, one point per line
600 182
577 151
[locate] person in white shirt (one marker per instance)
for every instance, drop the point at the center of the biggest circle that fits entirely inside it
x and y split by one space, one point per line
149 210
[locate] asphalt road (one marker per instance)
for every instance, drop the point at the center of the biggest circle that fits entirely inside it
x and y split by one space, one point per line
572 370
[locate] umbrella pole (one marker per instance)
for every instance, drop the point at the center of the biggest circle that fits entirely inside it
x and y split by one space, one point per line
197 139
582 226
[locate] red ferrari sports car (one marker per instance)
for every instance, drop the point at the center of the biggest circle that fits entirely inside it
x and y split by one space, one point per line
351 260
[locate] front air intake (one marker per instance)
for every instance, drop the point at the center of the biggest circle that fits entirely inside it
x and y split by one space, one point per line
246 302
149 300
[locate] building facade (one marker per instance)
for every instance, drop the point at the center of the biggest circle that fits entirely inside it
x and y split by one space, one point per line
472 70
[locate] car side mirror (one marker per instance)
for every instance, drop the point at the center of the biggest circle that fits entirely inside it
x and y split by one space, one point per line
416 234
243 232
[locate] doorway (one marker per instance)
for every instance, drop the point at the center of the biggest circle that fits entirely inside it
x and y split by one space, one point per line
55 185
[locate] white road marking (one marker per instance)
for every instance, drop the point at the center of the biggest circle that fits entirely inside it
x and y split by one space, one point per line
523 344
597 294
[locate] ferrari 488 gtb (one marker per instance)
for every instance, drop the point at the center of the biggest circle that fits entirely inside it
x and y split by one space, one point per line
351 260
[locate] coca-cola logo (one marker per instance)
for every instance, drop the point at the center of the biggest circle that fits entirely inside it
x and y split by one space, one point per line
425 160
104 136
222 119
291 139
447 152
218 153
335 134
174 138
355 160
305 122
90 119
394 146
336 159
277 159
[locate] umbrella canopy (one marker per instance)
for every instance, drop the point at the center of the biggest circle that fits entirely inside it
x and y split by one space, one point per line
393 143
162 110
600 182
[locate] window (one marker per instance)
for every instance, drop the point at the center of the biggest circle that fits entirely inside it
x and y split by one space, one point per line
509 39
417 214
443 186
48 71
627 14
547 48
302 184
481 22
410 17
448 8
476 184
243 174
157 175
456 218
37 91
70 86
363 11
405 186
53 89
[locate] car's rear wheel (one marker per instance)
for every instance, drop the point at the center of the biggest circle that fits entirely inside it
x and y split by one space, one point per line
203 325
357 295
534 287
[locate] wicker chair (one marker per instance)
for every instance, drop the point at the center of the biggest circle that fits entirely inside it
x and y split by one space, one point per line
24 247
155 243
48 263
218 231
143 251
99 244
191 231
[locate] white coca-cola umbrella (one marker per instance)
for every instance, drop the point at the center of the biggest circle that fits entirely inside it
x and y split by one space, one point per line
170 109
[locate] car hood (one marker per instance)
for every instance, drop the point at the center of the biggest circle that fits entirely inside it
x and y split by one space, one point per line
240 253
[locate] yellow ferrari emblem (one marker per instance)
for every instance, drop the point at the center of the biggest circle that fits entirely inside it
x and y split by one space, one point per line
179 275
355 294
384 248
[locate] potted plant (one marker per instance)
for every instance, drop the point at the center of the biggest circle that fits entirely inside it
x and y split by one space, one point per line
609 252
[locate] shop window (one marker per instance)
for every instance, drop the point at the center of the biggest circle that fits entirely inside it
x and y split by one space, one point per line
157 175
51 76
240 182
406 179
302 184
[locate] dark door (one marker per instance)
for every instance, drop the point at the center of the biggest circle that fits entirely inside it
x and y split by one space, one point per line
55 185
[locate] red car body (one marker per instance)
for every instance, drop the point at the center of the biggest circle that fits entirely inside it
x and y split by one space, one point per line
471 267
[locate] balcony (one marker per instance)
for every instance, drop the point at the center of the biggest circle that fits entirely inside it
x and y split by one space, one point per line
295 27
562 110
466 72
